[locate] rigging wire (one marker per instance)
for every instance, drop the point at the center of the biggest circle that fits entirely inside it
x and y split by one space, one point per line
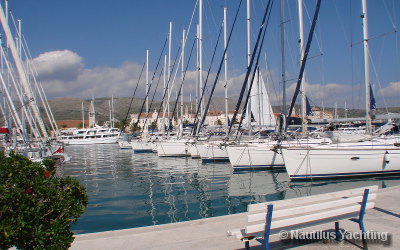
378 80
205 84
166 87
269 76
151 83
248 70
288 38
304 59
183 79
130 104
220 66
154 94
263 26
390 16
316 37
352 56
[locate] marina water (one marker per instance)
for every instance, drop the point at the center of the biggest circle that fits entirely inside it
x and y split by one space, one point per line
129 190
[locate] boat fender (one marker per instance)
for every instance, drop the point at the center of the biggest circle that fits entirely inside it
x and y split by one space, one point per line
386 157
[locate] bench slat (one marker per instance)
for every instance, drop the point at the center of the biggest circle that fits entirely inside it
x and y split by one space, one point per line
309 208
307 218
310 199
240 233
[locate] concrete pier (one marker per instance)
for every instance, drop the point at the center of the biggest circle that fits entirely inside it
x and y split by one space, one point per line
210 233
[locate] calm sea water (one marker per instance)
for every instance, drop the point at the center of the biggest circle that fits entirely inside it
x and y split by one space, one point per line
129 190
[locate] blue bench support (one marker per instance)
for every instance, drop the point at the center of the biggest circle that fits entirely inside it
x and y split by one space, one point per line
360 219
267 231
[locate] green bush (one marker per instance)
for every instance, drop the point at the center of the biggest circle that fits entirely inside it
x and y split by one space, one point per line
37 208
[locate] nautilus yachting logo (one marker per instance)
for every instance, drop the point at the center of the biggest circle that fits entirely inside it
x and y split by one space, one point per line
371 236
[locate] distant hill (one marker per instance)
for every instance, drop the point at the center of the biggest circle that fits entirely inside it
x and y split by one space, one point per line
71 108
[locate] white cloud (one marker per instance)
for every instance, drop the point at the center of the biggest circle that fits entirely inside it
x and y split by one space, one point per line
329 93
63 74
58 65
393 90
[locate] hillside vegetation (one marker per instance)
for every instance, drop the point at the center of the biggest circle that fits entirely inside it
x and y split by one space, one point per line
71 108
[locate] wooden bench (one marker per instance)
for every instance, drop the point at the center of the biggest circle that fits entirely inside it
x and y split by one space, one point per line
266 219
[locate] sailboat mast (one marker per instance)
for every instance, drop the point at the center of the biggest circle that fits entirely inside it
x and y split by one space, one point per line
283 57
226 71
165 89
302 87
201 53
169 62
248 111
183 70
83 117
364 17
21 73
112 111
6 9
19 48
20 38
109 107
147 86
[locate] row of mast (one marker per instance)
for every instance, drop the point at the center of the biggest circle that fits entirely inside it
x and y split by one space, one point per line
199 63
25 85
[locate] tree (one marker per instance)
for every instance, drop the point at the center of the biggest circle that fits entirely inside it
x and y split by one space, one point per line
36 206
135 127
118 125
153 125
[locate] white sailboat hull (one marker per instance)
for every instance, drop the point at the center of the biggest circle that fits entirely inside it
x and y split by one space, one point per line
173 148
194 152
341 161
124 144
142 146
254 156
210 152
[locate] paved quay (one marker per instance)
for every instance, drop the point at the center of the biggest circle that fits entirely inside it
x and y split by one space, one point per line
211 233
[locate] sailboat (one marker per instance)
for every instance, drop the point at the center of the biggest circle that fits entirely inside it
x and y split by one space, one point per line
24 131
257 153
372 156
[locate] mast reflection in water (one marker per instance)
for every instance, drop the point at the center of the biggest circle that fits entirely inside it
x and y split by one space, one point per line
134 190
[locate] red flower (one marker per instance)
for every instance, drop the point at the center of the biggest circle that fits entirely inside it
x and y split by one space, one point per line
28 190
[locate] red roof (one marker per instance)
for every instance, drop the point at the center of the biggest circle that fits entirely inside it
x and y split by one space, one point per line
4 131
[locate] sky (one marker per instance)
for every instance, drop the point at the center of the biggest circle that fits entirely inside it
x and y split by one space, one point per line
96 48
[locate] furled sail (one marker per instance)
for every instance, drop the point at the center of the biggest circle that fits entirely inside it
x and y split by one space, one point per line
260 105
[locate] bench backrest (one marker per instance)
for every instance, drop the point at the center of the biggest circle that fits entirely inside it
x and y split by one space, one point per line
310 199
307 209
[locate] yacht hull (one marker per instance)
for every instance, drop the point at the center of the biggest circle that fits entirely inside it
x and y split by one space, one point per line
142 147
331 162
250 156
212 153
173 149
